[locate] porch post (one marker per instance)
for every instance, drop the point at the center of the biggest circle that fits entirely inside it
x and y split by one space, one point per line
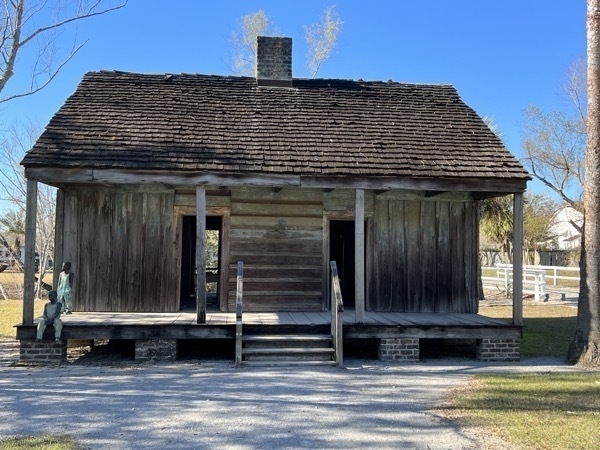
201 254
518 258
30 230
359 256
59 230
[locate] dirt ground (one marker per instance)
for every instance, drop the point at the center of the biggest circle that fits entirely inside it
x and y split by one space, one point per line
105 383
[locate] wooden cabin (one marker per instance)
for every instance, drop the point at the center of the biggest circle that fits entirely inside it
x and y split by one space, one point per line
289 174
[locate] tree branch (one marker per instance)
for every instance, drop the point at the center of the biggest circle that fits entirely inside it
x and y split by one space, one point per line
12 41
51 77
88 14
8 71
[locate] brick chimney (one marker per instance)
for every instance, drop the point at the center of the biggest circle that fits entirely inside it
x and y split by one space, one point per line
274 61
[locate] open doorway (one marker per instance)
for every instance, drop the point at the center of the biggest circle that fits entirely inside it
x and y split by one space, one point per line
187 297
341 250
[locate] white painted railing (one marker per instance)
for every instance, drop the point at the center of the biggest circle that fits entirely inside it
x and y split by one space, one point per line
534 279
552 273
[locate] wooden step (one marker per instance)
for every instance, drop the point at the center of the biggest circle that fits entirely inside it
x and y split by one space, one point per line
286 350
287 337
289 362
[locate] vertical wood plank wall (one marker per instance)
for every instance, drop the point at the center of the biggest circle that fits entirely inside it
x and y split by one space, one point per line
123 250
124 247
425 256
279 236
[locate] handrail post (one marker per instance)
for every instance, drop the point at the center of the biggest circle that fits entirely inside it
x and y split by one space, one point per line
339 349
238 314
337 316
332 308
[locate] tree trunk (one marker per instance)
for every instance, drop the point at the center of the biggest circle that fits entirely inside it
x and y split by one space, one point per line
579 343
585 349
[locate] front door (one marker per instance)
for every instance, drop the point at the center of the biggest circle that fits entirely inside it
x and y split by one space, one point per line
341 250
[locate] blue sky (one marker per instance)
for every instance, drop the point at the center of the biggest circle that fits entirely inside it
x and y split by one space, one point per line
500 55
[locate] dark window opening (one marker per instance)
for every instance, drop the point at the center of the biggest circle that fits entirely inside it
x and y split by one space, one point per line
188 262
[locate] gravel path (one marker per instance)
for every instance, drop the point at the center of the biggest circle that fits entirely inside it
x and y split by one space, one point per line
196 405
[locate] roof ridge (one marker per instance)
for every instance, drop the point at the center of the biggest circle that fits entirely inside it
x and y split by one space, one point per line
300 79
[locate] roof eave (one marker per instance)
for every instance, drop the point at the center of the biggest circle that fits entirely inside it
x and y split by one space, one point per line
61 177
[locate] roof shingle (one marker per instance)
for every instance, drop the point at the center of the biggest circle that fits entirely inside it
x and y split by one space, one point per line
229 124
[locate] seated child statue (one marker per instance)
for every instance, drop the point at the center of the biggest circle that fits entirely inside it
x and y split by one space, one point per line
51 317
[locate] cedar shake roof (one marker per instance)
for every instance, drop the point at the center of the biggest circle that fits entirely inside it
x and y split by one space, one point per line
222 124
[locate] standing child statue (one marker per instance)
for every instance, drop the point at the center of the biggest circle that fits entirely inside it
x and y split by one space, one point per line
51 317
65 288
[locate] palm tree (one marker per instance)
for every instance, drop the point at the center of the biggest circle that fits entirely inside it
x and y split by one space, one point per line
496 223
585 348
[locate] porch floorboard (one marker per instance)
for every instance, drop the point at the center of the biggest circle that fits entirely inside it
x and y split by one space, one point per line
280 318
221 325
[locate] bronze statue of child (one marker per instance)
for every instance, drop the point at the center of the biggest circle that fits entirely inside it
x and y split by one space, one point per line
51 317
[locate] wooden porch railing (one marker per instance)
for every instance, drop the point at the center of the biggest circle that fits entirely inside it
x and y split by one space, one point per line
337 312
238 313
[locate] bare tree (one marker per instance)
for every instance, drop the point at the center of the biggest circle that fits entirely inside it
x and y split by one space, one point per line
538 215
321 38
554 145
244 42
15 143
22 25
585 348
29 30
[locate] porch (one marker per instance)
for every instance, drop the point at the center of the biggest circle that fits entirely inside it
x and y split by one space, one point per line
397 334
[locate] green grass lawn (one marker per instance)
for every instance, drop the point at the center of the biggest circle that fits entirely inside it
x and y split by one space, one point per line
552 411
547 329
11 313
39 443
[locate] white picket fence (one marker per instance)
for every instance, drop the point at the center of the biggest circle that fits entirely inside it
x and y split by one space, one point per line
535 278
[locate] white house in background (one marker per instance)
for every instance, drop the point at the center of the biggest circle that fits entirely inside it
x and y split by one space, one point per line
567 237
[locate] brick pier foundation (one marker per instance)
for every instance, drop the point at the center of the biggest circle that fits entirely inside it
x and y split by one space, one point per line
499 350
45 351
156 350
399 349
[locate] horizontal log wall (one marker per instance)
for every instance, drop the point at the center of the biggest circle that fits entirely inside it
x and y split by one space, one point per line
341 203
425 256
279 236
124 250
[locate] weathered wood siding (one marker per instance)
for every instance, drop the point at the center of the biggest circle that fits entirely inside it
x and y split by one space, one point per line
424 258
124 250
279 237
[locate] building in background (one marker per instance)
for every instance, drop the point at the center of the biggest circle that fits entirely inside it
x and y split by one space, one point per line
567 236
